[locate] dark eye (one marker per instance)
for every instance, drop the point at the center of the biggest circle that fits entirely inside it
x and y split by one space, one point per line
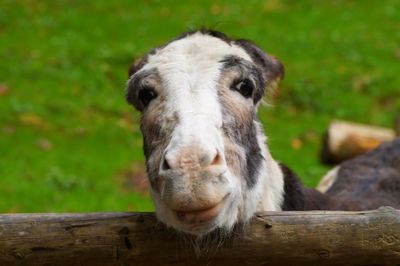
146 95
244 87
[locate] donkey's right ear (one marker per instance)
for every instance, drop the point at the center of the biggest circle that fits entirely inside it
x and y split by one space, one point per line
272 68
137 64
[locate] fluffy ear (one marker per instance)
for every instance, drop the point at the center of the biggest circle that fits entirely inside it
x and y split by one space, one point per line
137 64
130 91
273 70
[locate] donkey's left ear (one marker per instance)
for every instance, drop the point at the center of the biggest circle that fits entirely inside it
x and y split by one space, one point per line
137 64
273 70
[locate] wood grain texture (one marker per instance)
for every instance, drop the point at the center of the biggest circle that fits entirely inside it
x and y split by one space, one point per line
272 238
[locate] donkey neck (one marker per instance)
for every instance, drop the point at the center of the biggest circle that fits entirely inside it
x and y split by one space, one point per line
282 190
299 198
271 188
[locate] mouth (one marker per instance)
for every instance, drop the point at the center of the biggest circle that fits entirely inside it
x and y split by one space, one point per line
200 215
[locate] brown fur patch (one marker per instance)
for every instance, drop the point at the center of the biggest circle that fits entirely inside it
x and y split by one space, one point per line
238 107
239 127
233 156
152 164
153 117
155 136
190 159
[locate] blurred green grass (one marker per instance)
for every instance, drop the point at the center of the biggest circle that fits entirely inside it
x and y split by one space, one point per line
68 140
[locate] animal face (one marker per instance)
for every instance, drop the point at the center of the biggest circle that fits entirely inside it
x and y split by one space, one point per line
203 144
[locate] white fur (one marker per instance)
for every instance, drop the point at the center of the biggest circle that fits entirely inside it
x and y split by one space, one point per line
271 178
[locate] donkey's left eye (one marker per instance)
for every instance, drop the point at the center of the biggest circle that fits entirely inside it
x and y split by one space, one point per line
244 87
146 95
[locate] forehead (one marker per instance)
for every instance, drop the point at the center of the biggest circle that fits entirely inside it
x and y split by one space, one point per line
196 53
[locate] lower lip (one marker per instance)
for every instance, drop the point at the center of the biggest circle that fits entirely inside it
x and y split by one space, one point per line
191 217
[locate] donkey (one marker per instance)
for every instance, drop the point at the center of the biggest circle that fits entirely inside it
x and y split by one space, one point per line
206 153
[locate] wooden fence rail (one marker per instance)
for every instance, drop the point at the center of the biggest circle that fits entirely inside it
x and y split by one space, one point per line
272 238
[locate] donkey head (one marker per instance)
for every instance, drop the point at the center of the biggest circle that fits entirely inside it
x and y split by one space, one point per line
205 149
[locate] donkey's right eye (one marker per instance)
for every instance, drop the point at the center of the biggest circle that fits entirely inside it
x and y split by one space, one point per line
244 87
146 95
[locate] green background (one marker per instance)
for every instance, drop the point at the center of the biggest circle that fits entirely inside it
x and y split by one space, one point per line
69 141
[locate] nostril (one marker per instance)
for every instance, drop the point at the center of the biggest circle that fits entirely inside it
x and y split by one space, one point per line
165 165
217 159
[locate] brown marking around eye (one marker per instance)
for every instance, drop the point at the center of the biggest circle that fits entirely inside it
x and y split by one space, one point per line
154 140
151 125
238 108
242 151
145 78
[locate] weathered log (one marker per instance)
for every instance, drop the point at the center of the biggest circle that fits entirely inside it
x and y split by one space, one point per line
345 140
272 238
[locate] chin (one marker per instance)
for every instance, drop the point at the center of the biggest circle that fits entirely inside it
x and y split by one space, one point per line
221 218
